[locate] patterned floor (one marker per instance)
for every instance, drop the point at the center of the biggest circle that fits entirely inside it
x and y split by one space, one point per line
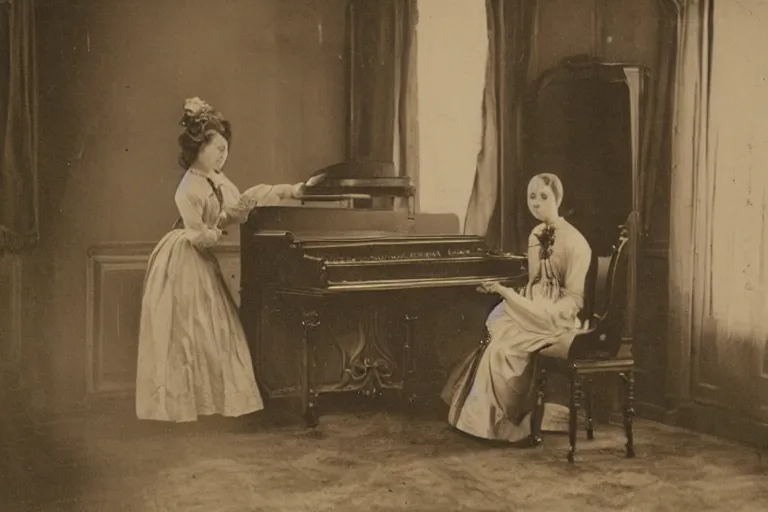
366 461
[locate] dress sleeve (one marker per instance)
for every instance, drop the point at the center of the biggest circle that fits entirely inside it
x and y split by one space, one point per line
534 263
196 231
235 212
233 215
261 194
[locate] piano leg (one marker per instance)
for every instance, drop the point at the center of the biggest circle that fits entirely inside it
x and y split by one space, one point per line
310 322
409 397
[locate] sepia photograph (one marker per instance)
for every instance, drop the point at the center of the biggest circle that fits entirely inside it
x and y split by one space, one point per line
383 255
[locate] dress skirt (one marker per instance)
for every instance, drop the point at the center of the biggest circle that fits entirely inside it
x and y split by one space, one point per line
193 356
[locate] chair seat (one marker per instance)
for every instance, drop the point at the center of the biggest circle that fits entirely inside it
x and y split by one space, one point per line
596 361
602 365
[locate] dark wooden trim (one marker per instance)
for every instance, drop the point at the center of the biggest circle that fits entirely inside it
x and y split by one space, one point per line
351 146
598 28
643 410
11 355
144 248
657 249
674 5
704 419
719 422
115 257
501 99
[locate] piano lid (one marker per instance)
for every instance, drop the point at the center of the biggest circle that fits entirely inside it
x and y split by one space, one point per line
368 177
345 221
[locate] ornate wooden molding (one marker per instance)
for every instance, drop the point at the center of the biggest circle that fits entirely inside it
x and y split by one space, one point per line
501 122
657 249
11 355
351 47
146 247
108 272
676 5
100 265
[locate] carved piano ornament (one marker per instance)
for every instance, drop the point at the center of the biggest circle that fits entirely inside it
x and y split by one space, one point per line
348 299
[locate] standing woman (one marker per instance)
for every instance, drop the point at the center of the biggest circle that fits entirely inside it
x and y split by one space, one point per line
193 357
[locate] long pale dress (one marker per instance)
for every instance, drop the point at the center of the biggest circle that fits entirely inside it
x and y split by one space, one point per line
193 357
490 393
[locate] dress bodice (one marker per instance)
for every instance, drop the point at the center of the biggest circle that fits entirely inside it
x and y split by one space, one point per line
201 199
211 194
560 272
557 282
207 202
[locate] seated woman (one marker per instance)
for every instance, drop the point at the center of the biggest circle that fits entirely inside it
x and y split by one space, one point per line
490 394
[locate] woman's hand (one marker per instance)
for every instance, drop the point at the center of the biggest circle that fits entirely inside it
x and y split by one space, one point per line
297 190
491 287
314 180
223 219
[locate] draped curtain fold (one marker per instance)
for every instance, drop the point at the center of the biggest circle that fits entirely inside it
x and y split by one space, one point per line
383 88
689 190
18 137
511 43
719 228
655 151
406 128
485 189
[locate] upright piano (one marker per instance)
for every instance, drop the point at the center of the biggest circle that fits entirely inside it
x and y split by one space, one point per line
349 292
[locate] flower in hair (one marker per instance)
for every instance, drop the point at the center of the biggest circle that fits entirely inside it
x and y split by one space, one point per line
194 106
197 114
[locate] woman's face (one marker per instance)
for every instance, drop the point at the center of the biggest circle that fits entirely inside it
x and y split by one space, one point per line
541 201
214 153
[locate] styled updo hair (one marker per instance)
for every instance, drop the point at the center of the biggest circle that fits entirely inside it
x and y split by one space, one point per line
201 123
553 183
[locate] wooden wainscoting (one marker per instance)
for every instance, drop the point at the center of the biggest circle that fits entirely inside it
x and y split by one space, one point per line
115 278
10 317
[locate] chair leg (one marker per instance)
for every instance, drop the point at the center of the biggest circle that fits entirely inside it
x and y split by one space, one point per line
573 416
538 408
629 410
589 399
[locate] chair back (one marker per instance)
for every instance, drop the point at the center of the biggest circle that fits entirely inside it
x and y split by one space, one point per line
590 283
610 294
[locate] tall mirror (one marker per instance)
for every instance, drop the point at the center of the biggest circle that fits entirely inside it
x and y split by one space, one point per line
582 123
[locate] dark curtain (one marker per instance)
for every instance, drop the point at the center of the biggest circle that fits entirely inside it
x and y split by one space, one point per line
692 81
656 151
382 84
485 190
511 35
407 120
18 172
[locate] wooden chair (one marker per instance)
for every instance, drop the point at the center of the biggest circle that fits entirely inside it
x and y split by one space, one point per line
594 351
